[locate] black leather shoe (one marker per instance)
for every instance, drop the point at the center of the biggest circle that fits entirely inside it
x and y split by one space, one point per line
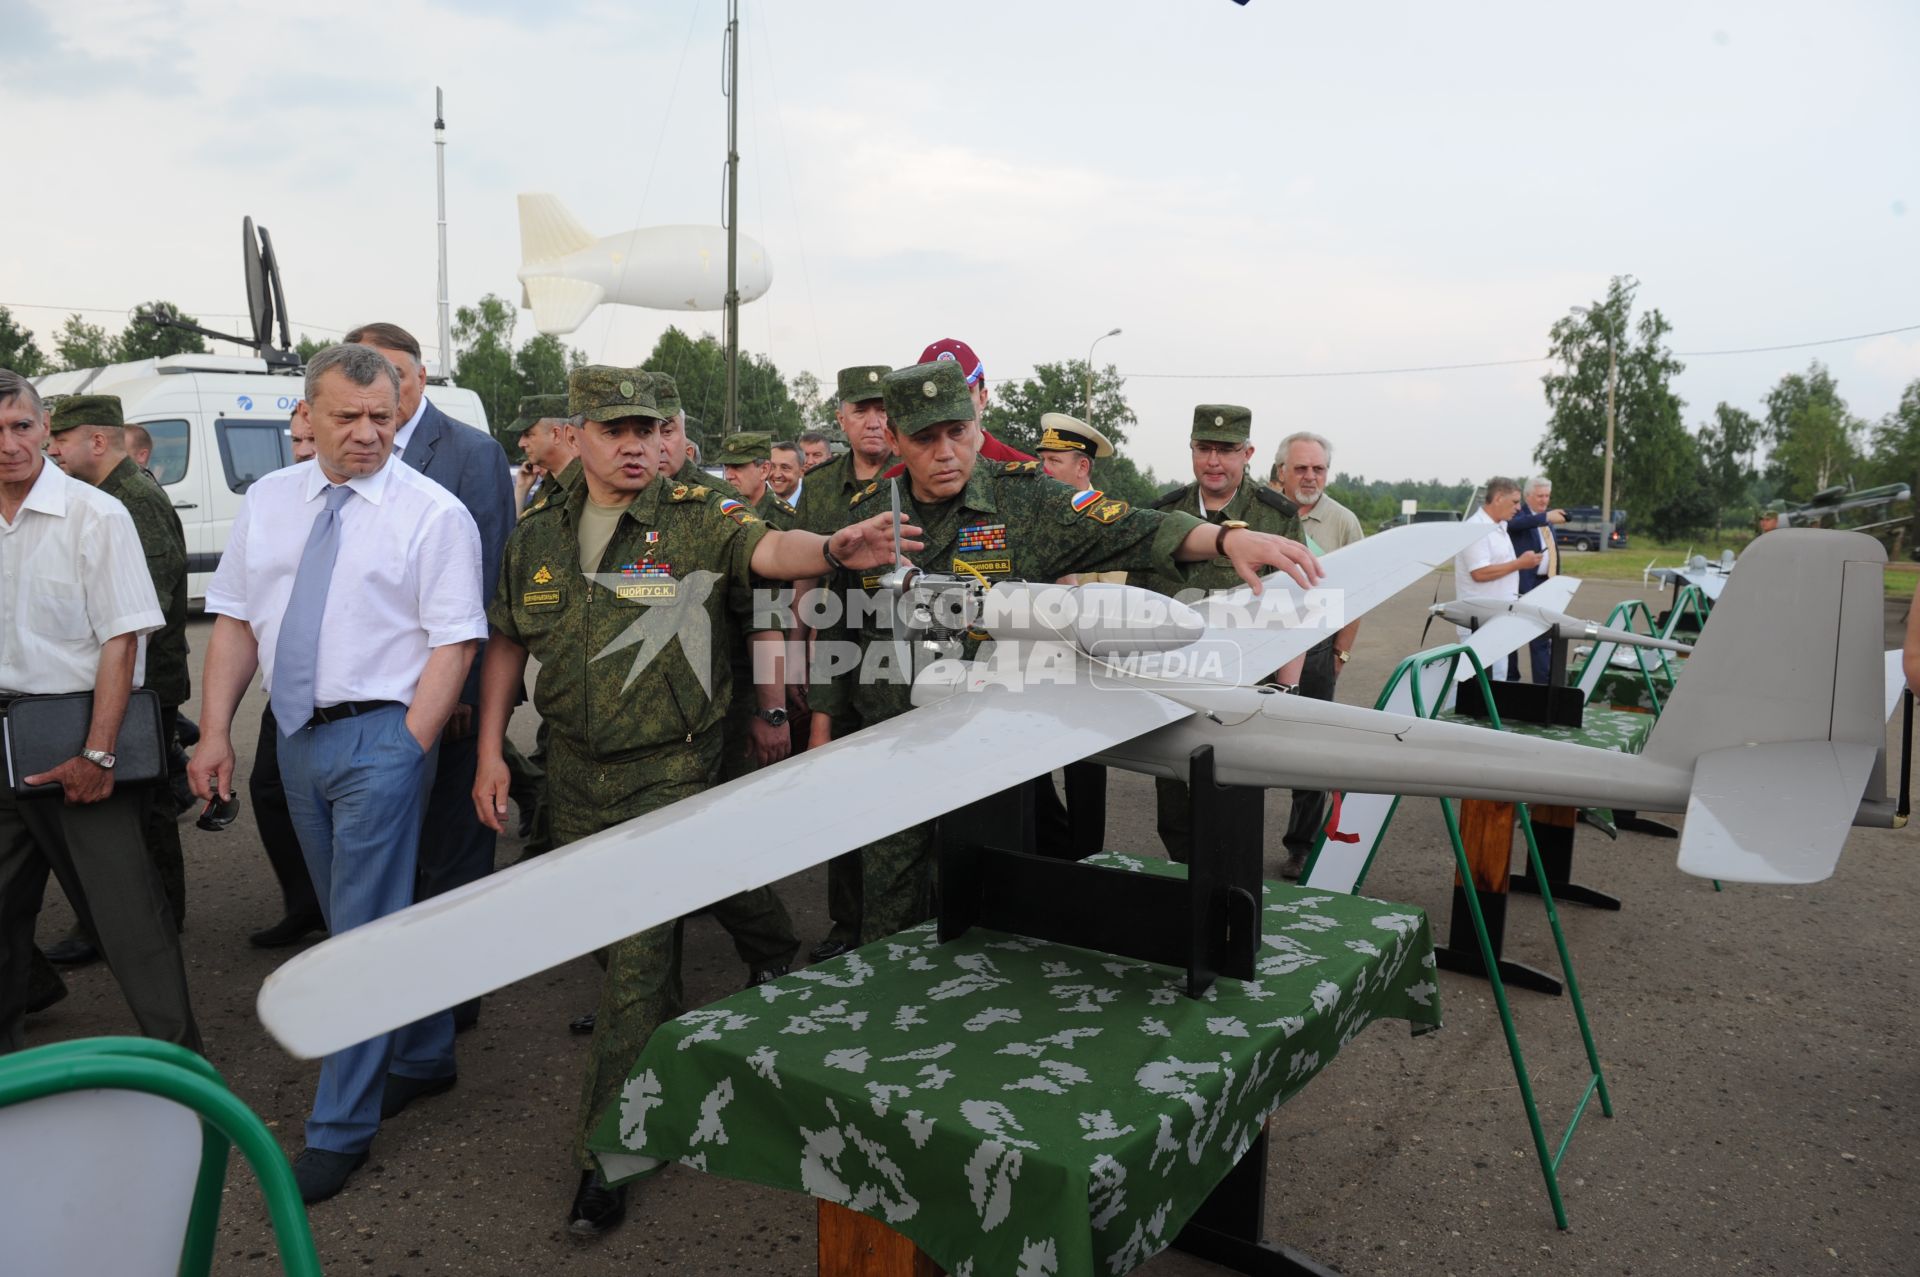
757 978
596 1207
1295 866
402 1091
583 1024
321 1173
74 951
831 948
44 988
291 929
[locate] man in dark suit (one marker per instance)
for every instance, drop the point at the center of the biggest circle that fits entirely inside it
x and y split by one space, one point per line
1532 529
455 848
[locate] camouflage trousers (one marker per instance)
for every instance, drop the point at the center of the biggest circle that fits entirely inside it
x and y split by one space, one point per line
641 989
896 882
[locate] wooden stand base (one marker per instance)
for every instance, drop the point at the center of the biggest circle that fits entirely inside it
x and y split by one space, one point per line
1486 832
854 1245
1553 831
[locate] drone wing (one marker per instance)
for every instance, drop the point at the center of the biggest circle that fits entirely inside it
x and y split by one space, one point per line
681 858
1257 634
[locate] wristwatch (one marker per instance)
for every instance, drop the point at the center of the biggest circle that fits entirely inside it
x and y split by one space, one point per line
772 717
1220 542
99 758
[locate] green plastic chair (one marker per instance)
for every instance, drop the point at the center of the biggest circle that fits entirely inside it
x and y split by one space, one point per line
150 1068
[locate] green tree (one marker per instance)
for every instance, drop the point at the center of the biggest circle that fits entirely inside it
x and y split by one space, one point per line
816 402
1727 445
1815 440
1896 441
483 355
1653 452
142 340
698 366
307 347
79 344
1014 408
542 364
17 350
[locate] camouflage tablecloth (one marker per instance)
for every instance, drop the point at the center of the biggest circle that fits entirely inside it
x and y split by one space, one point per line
1628 688
1622 731
1014 1106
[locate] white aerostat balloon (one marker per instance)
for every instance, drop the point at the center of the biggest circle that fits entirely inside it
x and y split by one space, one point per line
566 271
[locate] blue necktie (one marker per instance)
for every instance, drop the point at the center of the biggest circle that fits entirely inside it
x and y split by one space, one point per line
296 653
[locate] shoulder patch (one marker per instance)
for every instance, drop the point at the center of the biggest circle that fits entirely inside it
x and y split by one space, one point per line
1174 498
1278 500
1086 497
739 511
1106 511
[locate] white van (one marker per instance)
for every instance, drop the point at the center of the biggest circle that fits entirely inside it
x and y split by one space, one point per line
218 423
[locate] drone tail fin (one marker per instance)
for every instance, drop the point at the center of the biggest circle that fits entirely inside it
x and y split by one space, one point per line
1780 712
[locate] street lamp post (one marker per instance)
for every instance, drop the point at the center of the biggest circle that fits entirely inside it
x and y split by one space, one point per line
1112 332
1606 466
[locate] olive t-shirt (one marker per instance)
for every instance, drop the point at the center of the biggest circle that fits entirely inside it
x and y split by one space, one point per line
597 523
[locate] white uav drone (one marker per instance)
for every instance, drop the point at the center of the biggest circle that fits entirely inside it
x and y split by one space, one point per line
1771 745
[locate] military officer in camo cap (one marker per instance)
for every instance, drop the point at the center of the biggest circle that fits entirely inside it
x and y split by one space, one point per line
1226 496
541 433
579 572
1001 521
825 504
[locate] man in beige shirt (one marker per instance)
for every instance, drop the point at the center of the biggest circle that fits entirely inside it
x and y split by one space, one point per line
1300 471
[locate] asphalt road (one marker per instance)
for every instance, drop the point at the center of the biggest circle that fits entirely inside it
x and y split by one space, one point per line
1759 1045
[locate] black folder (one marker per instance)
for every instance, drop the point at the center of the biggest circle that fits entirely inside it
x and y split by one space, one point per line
41 732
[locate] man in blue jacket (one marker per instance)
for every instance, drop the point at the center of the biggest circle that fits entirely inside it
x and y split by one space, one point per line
1532 529
455 848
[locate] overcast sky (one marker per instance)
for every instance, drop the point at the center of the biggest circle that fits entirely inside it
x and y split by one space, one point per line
1280 188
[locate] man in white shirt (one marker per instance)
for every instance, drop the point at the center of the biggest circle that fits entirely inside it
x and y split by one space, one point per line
353 583
786 473
75 599
1487 569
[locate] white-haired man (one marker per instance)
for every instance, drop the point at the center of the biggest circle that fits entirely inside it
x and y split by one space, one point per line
1301 467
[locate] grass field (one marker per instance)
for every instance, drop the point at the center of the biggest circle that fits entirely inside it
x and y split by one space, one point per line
1628 564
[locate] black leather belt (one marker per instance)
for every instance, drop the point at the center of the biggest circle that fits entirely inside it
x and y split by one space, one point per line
345 709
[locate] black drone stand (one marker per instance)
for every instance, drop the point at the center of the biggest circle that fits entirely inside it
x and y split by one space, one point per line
993 873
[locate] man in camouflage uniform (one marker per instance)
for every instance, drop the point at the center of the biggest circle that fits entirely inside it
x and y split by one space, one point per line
87 439
1003 521
826 498
538 432
628 545
1225 495
753 721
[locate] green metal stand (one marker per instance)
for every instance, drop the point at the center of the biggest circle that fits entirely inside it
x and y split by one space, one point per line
1413 667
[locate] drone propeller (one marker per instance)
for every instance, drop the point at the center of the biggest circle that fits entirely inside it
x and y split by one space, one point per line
1430 614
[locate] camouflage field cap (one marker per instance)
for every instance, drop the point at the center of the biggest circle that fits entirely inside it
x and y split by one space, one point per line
1221 423
665 393
538 408
861 382
85 410
599 392
745 449
926 395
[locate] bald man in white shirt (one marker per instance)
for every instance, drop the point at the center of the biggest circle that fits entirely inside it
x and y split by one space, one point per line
77 599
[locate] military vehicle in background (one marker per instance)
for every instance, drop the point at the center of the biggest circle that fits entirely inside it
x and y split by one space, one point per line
1884 513
1583 529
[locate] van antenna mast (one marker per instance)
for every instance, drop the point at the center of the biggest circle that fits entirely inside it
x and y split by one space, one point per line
730 70
440 180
